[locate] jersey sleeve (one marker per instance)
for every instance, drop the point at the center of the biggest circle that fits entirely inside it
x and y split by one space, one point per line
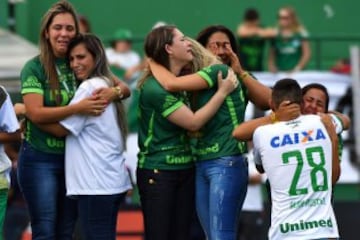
160 100
256 149
30 82
339 128
303 33
8 120
76 123
209 74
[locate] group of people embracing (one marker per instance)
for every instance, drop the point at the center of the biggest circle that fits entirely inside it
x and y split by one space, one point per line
193 95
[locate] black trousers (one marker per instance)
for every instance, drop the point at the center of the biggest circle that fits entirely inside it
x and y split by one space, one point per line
167 202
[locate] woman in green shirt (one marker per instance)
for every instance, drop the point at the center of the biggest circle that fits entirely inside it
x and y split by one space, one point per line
289 50
47 86
165 173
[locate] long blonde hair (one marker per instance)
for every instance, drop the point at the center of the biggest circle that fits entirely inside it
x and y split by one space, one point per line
202 58
296 23
47 56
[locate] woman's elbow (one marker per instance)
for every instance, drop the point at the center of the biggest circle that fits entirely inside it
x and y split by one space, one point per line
34 117
235 135
193 127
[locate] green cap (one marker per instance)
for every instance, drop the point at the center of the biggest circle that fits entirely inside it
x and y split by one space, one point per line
122 35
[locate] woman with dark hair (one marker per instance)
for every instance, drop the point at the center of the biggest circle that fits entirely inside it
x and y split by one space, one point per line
217 39
222 42
165 173
315 100
47 86
98 179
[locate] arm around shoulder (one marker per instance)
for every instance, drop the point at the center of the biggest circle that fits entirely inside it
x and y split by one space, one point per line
245 130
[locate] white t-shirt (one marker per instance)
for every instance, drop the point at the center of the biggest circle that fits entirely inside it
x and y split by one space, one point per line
253 201
297 159
125 60
94 161
8 124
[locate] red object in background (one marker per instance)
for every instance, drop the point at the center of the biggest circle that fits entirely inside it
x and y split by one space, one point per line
342 66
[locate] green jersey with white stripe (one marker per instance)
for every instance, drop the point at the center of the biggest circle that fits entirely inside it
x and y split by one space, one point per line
163 145
215 138
34 80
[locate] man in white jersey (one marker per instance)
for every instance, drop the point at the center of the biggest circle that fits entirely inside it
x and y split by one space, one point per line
301 161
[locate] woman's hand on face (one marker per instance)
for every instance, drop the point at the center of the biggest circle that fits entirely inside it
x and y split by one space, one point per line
234 60
228 84
93 106
287 111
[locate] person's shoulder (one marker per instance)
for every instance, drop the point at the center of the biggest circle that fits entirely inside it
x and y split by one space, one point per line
109 50
302 32
265 128
151 85
94 83
213 69
33 63
310 118
215 66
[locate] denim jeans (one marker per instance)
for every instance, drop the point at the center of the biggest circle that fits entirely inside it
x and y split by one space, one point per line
41 178
221 186
167 202
98 215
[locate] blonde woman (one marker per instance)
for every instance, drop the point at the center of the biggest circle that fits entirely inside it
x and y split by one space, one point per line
290 49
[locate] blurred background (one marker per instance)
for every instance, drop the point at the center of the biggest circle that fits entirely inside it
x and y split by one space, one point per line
332 26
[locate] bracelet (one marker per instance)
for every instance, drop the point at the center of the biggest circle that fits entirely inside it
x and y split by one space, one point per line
118 92
244 75
273 117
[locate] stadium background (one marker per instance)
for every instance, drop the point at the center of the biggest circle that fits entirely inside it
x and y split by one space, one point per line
332 22
332 25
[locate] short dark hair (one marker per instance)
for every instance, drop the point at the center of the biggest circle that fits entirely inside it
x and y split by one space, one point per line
286 89
205 34
320 87
251 14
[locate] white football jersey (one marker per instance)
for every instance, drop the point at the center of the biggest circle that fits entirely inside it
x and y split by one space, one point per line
297 159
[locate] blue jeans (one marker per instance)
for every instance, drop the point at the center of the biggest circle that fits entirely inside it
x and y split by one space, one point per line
41 178
221 186
98 215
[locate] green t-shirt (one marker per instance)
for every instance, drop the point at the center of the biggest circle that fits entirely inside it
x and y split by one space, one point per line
215 138
288 51
251 52
163 145
34 80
